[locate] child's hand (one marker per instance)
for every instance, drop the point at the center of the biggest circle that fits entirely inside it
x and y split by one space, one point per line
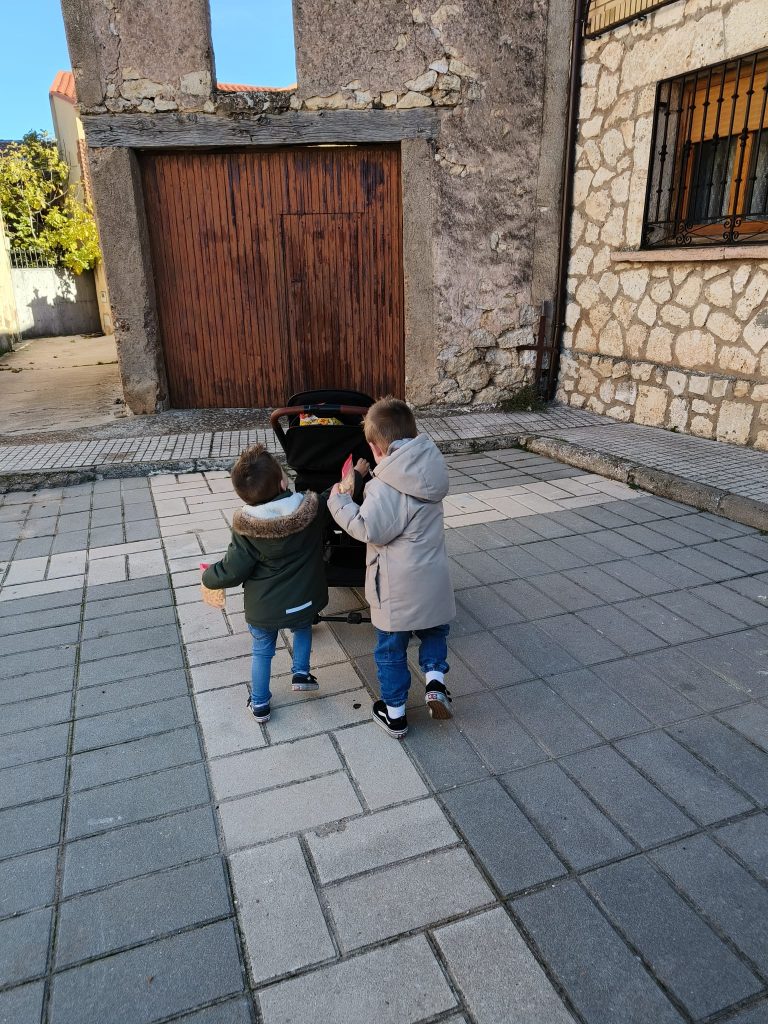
362 467
334 489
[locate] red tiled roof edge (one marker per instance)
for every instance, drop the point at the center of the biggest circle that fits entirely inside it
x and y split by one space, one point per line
64 87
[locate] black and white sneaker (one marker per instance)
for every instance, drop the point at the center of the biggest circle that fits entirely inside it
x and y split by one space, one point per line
438 699
395 727
260 713
307 682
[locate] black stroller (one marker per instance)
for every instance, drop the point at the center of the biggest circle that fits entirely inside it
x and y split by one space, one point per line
317 454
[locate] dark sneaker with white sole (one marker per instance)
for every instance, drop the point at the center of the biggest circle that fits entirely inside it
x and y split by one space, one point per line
438 700
395 727
260 713
307 682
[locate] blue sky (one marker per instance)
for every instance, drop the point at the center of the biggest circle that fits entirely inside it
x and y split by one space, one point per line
252 40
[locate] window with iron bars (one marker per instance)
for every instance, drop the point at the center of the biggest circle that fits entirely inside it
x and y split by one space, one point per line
708 179
606 14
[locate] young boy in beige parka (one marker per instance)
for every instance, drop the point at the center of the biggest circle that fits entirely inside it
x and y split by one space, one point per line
407 583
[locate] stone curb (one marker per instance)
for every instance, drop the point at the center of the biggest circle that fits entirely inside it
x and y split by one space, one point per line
33 480
656 481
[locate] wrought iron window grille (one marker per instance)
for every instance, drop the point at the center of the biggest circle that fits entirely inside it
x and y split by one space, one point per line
31 259
603 15
708 174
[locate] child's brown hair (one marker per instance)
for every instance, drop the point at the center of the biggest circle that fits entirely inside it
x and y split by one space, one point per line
389 420
257 476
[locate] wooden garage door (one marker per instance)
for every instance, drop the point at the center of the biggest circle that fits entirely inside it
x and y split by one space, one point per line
277 271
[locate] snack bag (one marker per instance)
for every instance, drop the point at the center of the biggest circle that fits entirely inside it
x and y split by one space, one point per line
215 598
307 419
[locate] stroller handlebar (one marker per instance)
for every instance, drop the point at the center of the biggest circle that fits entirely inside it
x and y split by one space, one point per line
323 409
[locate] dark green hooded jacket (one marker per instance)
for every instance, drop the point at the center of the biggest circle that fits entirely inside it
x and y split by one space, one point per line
279 561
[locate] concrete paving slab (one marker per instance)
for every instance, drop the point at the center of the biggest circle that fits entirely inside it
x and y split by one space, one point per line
382 770
255 770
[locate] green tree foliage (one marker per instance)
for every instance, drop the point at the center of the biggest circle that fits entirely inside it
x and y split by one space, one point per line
39 207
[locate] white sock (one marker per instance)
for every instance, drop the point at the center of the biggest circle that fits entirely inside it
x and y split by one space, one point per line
396 712
435 677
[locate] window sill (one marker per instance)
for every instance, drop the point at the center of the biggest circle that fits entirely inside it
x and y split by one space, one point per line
689 254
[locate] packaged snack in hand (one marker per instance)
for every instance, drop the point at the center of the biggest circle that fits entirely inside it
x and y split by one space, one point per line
215 598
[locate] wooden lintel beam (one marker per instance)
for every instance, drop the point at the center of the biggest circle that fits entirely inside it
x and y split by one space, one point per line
183 131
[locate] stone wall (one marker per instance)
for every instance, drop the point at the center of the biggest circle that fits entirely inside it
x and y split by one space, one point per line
481 65
9 324
677 340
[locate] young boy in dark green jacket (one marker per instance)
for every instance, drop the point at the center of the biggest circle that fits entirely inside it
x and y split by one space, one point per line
276 552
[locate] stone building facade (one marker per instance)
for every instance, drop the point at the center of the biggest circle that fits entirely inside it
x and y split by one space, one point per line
674 337
481 195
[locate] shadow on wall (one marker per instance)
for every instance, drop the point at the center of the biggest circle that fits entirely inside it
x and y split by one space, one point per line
52 302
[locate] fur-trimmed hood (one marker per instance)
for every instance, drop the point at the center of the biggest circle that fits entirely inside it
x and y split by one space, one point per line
281 526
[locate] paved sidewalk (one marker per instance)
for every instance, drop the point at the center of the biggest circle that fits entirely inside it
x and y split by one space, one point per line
585 841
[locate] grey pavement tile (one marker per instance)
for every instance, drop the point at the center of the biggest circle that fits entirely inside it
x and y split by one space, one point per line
608 516
444 755
126 588
124 853
120 803
35 547
27 882
42 661
41 622
688 781
739 657
559 524
537 649
490 659
309 717
499 988
750 559
507 531
526 600
648 537
97 700
279 910
30 607
140 909
495 734
680 530
382 770
186 970
752 544
638 577
611 621
376 840
484 567
34 745
578 830
77 540
702 565
118 668
463 622
667 625
461 577
728 753
650 695
23 1005
568 595
122 644
550 720
520 562
234 1011
621 545
129 621
401 983
600 583
119 727
504 841
748 840
684 953
255 770
112 515
714 527
605 981
602 707
401 897
279 812
557 556
751 720
690 677
754 1015
645 814
24 946
726 893
105 536
586 645
708 619
32 782
585 548
35 713
488 607
29 827
747 599
143 529
152 753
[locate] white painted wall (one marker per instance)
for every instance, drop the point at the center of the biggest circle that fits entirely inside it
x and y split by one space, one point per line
51 302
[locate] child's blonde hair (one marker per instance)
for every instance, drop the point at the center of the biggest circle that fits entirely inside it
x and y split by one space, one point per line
388 420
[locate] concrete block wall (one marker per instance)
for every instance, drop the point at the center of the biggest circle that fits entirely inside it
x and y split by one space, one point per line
52 302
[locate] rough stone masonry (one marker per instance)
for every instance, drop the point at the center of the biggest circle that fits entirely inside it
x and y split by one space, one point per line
487 202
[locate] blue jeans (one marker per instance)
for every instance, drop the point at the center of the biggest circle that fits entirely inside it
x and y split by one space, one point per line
391 657
264 643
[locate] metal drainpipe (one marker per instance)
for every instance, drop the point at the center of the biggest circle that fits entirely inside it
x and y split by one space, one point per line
569 159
